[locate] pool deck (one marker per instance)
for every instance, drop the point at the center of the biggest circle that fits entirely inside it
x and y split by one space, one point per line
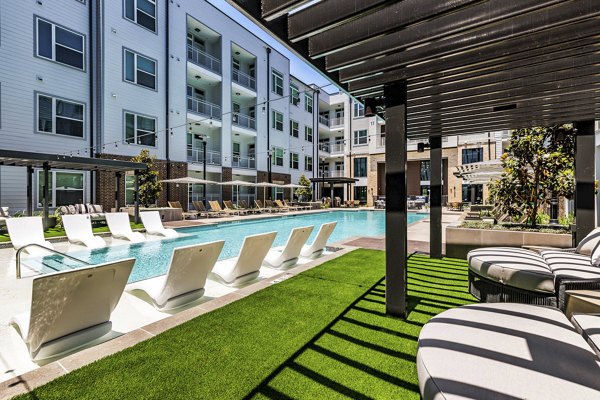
134 320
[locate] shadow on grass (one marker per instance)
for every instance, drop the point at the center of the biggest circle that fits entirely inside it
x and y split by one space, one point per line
369 345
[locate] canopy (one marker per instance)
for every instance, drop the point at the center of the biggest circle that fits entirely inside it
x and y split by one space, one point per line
292 185
188 179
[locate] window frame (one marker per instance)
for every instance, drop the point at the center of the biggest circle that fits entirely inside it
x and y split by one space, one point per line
52 188
36 99
294 164
359 110
135 69
306 137
356 170
479 152
308 103
136 9
307 163
275 157
295 95
297 129
135 128
274 86
356 139
54 25
274 121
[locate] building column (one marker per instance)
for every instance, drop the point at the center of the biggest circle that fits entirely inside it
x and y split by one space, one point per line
584 179
136 197
29 191
45 193
396 213
435 197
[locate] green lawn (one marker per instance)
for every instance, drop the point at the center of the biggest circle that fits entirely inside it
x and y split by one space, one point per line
57 232
321 334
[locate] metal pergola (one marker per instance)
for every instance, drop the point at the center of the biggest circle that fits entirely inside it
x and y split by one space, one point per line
46 162
448 67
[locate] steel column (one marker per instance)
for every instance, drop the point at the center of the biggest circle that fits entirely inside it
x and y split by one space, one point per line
584 179
30 191
137 197
45 193
395 215
435 197
117 190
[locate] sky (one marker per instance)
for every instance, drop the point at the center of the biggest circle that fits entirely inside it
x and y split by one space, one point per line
298 67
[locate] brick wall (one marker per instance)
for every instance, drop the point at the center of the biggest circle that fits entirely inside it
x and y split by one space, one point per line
227 191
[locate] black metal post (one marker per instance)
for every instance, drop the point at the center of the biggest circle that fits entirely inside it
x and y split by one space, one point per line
435 197
137 197
204 172
117 190
45 193
396 213
585 204
268 106
29 191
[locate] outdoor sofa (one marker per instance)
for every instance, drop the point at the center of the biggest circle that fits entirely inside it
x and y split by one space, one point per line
540 276
94 211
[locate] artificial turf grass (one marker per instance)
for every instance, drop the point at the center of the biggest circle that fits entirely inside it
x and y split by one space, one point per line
321 334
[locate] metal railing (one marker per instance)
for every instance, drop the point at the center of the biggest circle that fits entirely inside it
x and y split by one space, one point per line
197 156
323 120
245 121
336 147
243 79
243 162
204 59
203 107
336 121
18 256
333 174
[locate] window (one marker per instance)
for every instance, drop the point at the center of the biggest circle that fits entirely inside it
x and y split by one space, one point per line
141 12
308 134
308 163
140 129
277 156
294 129
65 188
360 193
308 102
277 82
294 161
139 69
294 95
59 44
472 155
59 116
277 120
360 167
130 189
360 137
359 109
425 170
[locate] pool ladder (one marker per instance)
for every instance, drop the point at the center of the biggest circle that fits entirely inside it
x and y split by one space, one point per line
18 257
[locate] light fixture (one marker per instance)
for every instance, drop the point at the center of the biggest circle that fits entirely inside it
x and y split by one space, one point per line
198 77
237 93
237 53
197 29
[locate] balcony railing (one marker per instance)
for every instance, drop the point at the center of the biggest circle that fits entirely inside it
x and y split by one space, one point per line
336 147
333 174
197 156
203 59
243 162
324 146
323 120
336 121
245 121
243 79
203 107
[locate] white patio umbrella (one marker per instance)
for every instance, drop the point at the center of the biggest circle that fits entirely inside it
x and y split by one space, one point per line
237 185
189 180
266 185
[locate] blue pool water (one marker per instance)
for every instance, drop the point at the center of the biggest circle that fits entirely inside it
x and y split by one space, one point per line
152 257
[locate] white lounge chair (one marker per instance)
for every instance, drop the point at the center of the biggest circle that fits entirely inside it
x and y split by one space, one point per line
118 224
154 226
288 256
185 279
24 231
78 228
246 265
318 245
71 308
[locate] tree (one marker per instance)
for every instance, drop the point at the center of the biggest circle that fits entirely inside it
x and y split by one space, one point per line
306 190
538 164
149 188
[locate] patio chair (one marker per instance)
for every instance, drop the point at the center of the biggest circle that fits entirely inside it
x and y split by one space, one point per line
120 228
24 231
199 207
316 248
279 204
270 204
78 228
184 214
246 266
288 255
184 281
293 207
262 208
153 225
244 206
233 209
215 206
71 308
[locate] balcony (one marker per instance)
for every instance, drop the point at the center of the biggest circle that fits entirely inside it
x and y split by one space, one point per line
333 174
336 148
380 141
323 120
203 59
204 107
245 121
243 79
243 162
336 121
197 156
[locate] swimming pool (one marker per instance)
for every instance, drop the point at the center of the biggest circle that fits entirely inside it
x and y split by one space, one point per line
152 257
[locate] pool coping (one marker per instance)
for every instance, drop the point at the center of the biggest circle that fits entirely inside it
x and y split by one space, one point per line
30 380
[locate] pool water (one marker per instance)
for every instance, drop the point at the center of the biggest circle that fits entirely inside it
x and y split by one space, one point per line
152 257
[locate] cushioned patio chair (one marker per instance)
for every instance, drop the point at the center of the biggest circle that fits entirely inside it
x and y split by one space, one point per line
24 231
288 255
202 211
316 248
246 266
120 228
262 208
184 214
71 308
153 225
230 207
185 279
78 228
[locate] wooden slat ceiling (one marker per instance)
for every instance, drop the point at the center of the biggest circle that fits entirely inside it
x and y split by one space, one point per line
471 65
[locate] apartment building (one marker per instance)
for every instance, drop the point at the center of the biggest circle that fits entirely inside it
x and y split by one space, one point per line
181 79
